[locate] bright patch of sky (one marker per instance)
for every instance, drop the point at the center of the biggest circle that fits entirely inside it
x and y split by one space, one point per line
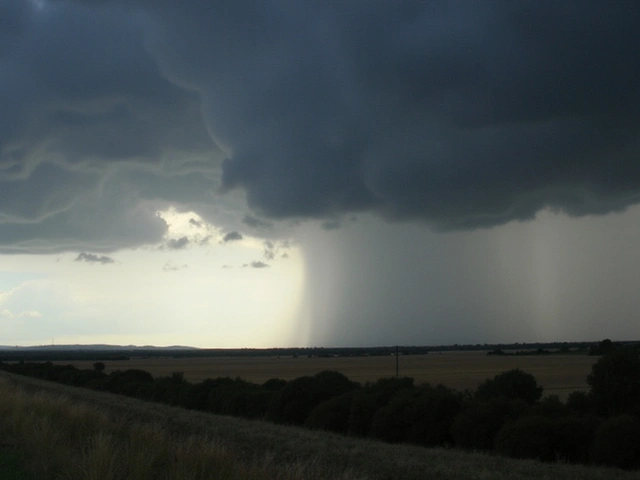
205 293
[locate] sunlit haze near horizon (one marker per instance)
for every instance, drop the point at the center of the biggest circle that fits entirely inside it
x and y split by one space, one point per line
276 174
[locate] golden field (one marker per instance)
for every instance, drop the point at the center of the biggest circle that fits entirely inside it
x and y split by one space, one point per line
558 374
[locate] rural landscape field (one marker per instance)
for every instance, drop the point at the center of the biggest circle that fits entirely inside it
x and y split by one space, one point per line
319 240
558 374
568 406
50 431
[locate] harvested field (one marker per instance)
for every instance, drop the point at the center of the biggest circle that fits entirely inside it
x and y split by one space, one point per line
558 374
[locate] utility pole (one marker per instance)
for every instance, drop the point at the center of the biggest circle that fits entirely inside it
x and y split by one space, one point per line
397 370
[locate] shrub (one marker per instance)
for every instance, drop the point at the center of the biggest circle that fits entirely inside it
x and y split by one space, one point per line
527 437
274 384
580 402
550 406
391 423
422 416
363 408
197 395
476 427
373 397
225 396
384 389
548 439
616 442
573 437
615 381
294 402
433 414
514 384
332 415
129 382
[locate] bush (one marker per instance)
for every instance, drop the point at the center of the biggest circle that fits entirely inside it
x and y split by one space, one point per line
422 416
615 381
514 384
548 439
332 415
616 442
274 384
392 422
371 398
527 437
433 414
363 408
197 396
384 389
294 402
580 402
573 437
476 427
550 406
129 382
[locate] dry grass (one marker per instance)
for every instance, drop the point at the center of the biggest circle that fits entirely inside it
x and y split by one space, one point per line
558 374
71 440
78 434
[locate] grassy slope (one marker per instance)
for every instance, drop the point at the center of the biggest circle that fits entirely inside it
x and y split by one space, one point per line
327 455
11 468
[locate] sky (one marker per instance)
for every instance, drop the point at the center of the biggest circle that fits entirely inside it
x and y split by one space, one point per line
263 173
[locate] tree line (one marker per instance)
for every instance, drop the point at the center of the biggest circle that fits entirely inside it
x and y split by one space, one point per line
506 414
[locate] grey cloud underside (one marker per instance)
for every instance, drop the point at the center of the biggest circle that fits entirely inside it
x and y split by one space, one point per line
257 264
232 237
254 222
93 258
177 243
93 139
461 114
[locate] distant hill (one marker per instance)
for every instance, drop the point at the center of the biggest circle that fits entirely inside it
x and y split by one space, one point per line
101 352
96 347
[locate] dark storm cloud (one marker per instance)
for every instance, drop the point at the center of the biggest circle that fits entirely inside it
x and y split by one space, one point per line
331 225
84 108
93 258
462 113
458 113
232 237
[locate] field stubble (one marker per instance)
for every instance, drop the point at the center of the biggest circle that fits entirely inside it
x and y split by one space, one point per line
558 374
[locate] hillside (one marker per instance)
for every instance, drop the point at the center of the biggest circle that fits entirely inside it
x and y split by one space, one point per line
291 450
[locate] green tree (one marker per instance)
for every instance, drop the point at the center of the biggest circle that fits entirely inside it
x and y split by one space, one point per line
332 415
514 384
294 402
421 416
527 437
615 381
616 442
605 347
476 427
